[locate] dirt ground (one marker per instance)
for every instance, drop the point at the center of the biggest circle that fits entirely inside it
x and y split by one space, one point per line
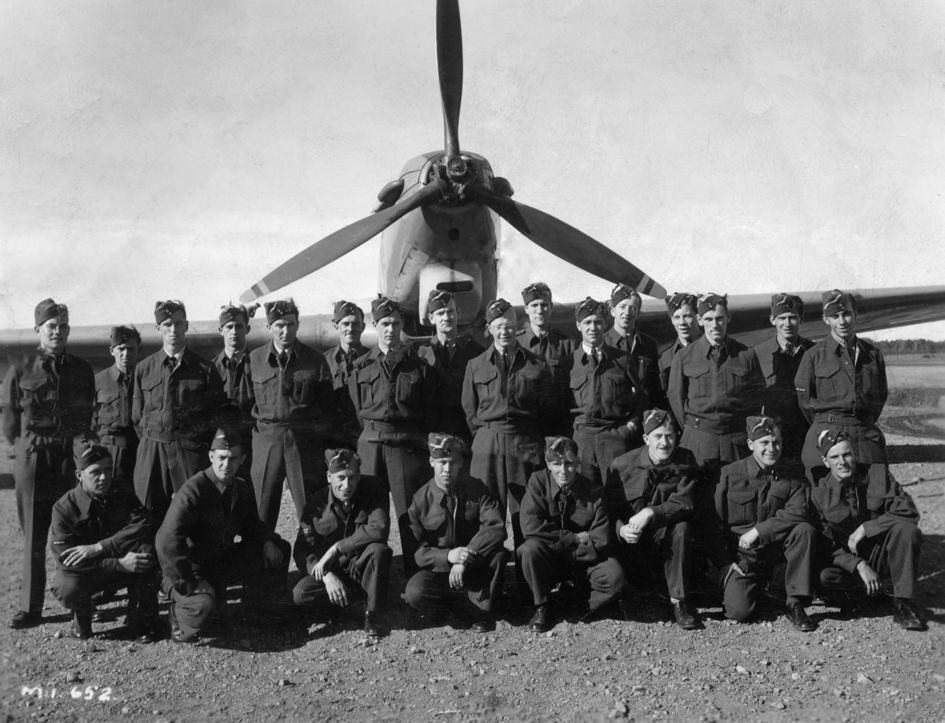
644 669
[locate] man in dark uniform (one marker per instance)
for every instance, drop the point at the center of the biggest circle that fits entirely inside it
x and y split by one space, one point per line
714 384
458 531
233 367
46 403
765 519
780 357
348 321
294 414
111 419
101 538
625 303
397 397
682 308
869 528
506 398
567 535
842 382
200 555
178 396
540 338
449 352
607 396
650 498
342 541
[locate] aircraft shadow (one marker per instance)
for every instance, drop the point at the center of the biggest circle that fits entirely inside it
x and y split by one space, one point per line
915 453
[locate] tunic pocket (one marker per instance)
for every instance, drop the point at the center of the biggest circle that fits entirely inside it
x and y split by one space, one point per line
742 507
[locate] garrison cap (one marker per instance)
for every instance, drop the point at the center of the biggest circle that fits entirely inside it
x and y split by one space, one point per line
346 308
226 438
382 307
680 298
48 309
534 291
164 310
230 312
92 454
830 438
444 445
438 299
835 301
656 418
275 310
123 334
341 459
758 427
558 448
707 302
621 292
590 307
496 309
786 304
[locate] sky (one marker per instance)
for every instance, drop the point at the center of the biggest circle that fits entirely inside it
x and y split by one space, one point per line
183 150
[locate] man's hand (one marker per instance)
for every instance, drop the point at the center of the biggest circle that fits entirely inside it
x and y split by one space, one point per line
631 531
136 562
336 589
456 576
582 538
321 567
870 579
460 556
81 553
749 539
273 554
858 534
633 427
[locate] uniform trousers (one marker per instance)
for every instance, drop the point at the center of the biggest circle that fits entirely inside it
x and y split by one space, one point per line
741 592
543 567
124 451
894 553
713 448
74 588
599 448
369 571
162 468
669 544
44 470
283 453
429 591
868 439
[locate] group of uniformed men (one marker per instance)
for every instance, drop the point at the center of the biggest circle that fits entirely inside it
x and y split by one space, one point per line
608 454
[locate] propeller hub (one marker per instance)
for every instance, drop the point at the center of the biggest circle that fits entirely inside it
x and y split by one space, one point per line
456 168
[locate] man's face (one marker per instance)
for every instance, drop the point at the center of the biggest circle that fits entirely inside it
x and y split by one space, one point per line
345 482
388 331
444 320
226 463
841 460
626 313
53 334
563 470
766 450
788 325
686 323
446 470
503 331
234 334
661 443
842 324
284 330
96 479
715 324
539 312
350 329
126 356
173 330
592 329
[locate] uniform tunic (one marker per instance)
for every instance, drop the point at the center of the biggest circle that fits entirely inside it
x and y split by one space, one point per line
361 534
635 483
780 399
837 389
553 347
45 404
751 497
469 517
450 362
341 364
238 388
294 413
112 423
644 352
874 499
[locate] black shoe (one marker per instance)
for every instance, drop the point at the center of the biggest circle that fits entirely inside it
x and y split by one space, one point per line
144 630
177 635
905 617
81 625
684 618
370 625
485 624
799 618
541 620
24 619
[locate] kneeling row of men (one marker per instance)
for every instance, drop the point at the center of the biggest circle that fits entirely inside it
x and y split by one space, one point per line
853 526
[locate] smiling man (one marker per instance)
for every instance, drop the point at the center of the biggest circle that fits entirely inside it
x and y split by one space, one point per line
683 313
46 403
625 304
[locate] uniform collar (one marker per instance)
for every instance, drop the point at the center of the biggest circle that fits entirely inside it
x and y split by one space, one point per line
757 471
516 351
273 354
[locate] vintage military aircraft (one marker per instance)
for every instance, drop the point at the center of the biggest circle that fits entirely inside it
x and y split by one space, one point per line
438 223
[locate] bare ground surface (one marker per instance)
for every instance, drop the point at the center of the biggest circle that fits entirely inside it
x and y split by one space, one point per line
645 669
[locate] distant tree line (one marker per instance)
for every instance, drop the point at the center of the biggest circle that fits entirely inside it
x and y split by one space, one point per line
911 346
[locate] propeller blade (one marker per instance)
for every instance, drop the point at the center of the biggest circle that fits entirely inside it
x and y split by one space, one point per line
567 242
449 64
339 243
